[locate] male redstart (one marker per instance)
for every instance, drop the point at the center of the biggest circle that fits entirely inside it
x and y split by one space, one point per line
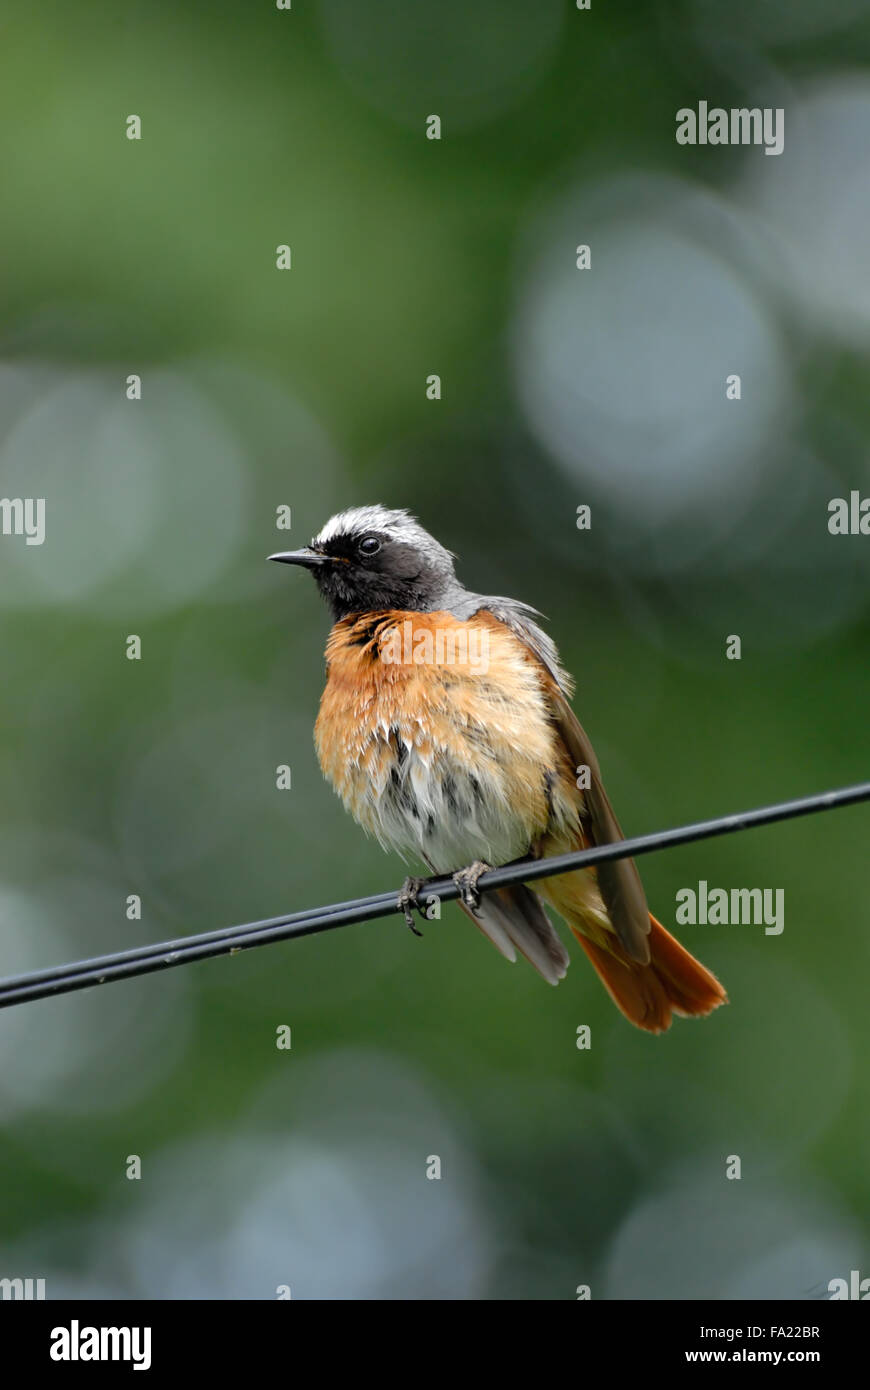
446 729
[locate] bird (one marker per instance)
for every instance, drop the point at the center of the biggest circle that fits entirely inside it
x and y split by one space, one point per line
446 728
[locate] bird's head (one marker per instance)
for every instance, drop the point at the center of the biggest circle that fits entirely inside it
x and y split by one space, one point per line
369 559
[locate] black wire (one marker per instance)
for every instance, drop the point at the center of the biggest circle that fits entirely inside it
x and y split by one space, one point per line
145 960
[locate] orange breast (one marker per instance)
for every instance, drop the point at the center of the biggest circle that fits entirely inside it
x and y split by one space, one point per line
436 735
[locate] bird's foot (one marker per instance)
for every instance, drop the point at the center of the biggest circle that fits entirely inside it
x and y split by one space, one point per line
407 901
466 882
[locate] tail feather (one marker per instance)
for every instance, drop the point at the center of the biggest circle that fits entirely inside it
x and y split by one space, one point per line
674 982
514 920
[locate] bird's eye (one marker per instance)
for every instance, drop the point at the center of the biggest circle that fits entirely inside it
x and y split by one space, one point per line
369 545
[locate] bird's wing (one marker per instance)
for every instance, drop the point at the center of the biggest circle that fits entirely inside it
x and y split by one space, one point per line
618 880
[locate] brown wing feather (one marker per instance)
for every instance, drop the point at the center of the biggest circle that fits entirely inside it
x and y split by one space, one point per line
618 880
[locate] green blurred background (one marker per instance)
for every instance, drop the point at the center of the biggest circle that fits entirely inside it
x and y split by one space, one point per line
307 388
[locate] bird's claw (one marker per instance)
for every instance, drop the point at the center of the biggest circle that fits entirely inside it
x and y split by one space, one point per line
407 901
466 882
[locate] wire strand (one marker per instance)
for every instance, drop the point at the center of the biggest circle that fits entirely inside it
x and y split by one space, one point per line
165 955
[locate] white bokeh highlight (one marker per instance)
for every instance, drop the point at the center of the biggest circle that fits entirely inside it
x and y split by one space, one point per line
814 202
621 369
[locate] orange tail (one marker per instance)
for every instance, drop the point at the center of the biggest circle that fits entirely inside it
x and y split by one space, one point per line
673 982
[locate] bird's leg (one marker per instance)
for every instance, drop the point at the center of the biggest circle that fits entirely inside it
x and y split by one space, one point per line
466 882
407 900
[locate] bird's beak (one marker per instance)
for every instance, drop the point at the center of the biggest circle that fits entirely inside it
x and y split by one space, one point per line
307 557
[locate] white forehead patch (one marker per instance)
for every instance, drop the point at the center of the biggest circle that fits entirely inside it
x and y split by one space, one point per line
357 519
